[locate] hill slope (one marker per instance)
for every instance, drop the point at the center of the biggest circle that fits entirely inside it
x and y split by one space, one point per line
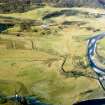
25 5
70 3
90 3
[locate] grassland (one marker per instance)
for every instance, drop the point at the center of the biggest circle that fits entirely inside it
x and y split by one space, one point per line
34 58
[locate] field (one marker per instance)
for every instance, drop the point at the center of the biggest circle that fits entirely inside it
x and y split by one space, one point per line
31 59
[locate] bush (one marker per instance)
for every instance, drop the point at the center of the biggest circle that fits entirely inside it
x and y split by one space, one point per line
25 26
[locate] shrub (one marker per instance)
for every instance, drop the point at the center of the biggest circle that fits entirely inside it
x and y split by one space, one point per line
25 26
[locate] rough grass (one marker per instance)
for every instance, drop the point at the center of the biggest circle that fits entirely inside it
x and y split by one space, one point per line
39 69
33 70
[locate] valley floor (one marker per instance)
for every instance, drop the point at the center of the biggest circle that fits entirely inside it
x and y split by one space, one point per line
30 60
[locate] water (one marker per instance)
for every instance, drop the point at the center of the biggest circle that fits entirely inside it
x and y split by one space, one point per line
92 102
28 100
3 27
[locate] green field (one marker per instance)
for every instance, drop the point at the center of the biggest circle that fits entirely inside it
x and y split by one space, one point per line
30 60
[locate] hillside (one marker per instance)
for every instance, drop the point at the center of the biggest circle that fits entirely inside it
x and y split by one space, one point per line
72 3
33 45
25 5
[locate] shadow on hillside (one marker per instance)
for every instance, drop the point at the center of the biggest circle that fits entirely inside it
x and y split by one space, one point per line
71 12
